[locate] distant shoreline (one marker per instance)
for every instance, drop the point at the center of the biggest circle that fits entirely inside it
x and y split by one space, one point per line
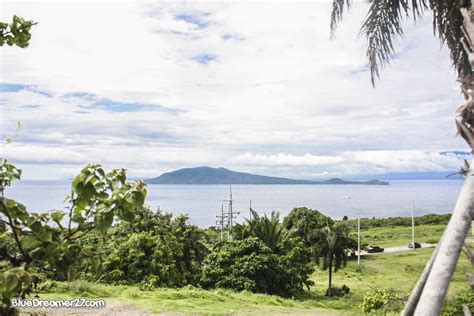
216 176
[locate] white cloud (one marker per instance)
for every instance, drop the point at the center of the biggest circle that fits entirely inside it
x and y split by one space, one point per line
279 95
356 162
281 159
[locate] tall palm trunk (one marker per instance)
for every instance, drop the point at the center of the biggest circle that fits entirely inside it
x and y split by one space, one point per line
428 296
465 119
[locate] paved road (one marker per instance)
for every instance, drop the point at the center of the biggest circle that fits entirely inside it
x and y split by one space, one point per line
396 249
469 239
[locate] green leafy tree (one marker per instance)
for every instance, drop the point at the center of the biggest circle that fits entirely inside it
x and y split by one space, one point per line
155 250
331 250
51 241
250 265
327 241
307 224
16 33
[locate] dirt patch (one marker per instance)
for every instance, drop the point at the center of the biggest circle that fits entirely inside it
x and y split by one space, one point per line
112 308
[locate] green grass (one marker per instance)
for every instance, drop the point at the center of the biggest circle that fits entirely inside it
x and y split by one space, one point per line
400 235
396 271
189 300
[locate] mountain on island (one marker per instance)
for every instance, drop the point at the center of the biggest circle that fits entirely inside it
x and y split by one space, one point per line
208 175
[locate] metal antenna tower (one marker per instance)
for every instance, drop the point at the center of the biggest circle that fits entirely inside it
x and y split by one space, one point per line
222 221
231 214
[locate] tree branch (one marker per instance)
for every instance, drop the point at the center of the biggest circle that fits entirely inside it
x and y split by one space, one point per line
20 28
86 232
15 234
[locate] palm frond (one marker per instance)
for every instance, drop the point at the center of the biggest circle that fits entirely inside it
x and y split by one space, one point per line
381 27
337 13
447 24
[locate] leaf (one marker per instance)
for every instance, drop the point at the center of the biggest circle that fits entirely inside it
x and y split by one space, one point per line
103 221
25 278
77 180
102 196
34 224
16 210
57 215
78 218
126 215
45 235
37 253
30 241
51 250
11 280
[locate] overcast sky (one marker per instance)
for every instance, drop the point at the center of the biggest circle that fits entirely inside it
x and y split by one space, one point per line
252 86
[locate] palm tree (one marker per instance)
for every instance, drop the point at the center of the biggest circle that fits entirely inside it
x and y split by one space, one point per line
331 250
453 23
383 24
268 229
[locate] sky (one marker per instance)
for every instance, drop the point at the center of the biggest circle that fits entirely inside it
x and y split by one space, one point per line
255 86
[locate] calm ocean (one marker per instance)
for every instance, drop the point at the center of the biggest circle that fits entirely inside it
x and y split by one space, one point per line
203 202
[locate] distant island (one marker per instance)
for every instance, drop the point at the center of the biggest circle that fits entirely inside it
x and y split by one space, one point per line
209 175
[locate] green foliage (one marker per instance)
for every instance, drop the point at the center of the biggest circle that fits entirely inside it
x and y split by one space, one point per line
156 250
13 282
96 198
385 270
250 265
143 257
332 248
7 249
16 33
328 242
399 235
383 25
381 299
454 305
306 224
331 251
429 219
8 173
268 229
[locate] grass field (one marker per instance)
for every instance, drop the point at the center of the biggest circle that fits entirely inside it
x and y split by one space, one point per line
398 235
396 271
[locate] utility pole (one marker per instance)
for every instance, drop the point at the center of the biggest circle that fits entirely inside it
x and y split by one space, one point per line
358 240
413 224
231 211
250 211
222 221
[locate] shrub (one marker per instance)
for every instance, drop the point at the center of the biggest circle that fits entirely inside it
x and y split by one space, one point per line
250 265
453 306
379 299
336 291
142 258
156 250
432 240
430 219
